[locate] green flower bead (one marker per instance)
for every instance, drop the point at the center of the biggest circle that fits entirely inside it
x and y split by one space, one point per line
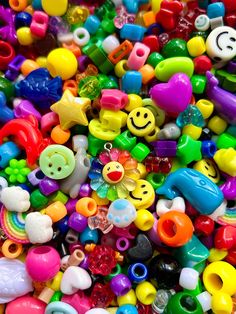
17 171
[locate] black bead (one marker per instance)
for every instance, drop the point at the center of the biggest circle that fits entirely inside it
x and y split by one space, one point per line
206 134
142 251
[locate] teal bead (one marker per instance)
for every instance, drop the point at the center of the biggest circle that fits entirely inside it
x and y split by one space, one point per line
95 145
231 130
175 48
38 200
155 179
183 302
125 141
154 58
198 83
191 115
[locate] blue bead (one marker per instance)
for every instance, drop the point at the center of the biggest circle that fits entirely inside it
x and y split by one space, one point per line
132 32
8 151
127 309
151 30
62 225
92 24
208 149
37 4
131 82
137 272
215 10
22 19
6 113
60 308
89 236
132 6
25 187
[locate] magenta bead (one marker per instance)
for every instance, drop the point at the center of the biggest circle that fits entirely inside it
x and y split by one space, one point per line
83 62
77 222
42 263
85 190
122 244
120 284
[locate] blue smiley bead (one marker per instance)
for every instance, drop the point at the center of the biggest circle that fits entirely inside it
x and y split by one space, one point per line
201 192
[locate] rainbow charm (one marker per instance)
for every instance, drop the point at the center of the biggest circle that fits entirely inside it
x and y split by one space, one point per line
229 218
13 225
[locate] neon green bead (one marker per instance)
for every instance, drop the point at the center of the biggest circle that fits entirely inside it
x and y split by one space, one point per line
188 149
226 140
56 297
198 83
38 200
59 197
17 171
154 58
140 152
175 48
155 179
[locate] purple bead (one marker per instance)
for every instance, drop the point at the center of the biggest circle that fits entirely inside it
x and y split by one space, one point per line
57 25
229 188
85 190
26 108
48 186
7 31
70 205
83 62
120 284
165 148
85 262
36 176
122 244
77 222
231 67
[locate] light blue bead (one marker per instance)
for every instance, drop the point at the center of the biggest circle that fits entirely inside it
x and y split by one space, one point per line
59 307
215 10
92 24
8 151
132 32
37 4
89 236
127 309
137 272
132 6
131 82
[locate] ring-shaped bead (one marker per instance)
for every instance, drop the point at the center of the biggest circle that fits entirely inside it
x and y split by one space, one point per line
81 36
11 249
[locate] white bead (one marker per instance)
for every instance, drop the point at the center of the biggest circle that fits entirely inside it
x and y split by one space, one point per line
188 278
110 43
220 211
204 299
75 278
15 199
97 311
81 36
202 23
65 37
163 206
221 44
121 213
64 260
38 227
79 142
3 184
216 22
117 3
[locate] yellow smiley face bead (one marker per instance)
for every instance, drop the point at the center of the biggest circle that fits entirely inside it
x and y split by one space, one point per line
141 121
143 196
208 168
113 172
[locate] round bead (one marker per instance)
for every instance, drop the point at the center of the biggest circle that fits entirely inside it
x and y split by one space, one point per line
221 303
183 302
19 5
24 36
11 249
217 125
206 107
55 7
202 22
77 222
146 292
127 309
120 285
60 136
81 36
144 220
188 278
137 272
128 298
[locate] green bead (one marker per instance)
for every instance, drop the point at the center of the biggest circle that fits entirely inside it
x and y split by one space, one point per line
197 290
140 152
175 48
226 140
56 296
111 84
116 271
168 67
89 87
17 171
99 58
201 34
231 130
154 58
226 80
95 145
79 129
38 200
106 67
198 83
188 149
7 88
183 302
107 23
125 141
94 41
155 179
58 196
103 79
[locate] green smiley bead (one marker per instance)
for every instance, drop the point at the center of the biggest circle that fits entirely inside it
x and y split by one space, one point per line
57 162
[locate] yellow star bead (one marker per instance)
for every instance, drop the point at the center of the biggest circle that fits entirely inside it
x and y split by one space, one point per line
71 110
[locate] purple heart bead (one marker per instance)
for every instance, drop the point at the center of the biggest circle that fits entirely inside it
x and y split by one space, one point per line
174 96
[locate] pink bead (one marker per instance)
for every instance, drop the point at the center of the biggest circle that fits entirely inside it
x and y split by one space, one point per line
26 305
113 99
78 301
48 121
138 56
39 24
42 263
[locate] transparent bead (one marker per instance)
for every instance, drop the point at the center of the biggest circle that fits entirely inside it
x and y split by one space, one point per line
89 87
191 115
162 298
77 15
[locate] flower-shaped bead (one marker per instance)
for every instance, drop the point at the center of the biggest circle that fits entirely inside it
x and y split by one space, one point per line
17 171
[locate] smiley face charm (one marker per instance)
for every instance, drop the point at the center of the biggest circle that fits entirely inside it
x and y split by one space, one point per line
221 44
141 121
143 196
113 172
209 169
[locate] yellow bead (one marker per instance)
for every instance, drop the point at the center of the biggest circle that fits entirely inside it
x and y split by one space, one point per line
142 169
121 68
55 7
156 5
158 113
112 310
220 277
146 292
226 160
98 130
192 130
217 125
135 101
42 62
221 303
112 121
55 283
153 136
208 168
206 107
99 201
144 220
128 298
141 121
24 36
216 255
62 62
196 46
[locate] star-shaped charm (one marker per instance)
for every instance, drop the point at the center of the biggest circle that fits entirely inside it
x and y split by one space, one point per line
71 110
188 149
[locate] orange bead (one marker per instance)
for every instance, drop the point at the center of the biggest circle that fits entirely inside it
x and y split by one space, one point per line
11 249
86 206
28 66
147 72
120 52
60 136
149 18
72 86
18 5
56 211
29 9
73 48
174 228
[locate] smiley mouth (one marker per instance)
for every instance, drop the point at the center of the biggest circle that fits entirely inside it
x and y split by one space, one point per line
135 198
215 175
139 127
114 175
218 38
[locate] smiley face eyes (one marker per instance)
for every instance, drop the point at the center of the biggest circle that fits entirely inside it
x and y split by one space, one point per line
117 167
143 186
138 114
145 192
217 59
145 115
233 39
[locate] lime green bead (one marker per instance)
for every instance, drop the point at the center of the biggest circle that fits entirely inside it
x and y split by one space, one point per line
7 88
154 58
140 152
95 145
17 171
125 141
168 67
103 79
59 197
198 83
183 302
226 80
89 87
226 140
38 200
107 23
155 179
188 149
56 296
175 48
116 271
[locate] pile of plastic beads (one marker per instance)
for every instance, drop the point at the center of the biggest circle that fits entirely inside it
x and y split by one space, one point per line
117 156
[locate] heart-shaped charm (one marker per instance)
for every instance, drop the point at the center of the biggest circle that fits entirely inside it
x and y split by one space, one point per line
142 251
174 96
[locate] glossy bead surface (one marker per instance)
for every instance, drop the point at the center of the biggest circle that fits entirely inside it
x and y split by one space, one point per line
120 285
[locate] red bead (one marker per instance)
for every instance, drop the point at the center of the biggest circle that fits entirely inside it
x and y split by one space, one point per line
230 19
101 295
225 238
158 164
7 54
144 309
230 5
102 260
202 64
231 257
174 6
152 42
204 225
166 18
